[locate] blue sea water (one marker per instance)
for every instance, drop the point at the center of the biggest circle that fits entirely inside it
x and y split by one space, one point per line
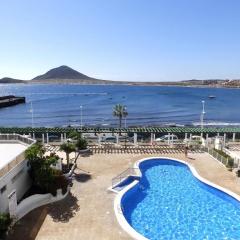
59 105
170 203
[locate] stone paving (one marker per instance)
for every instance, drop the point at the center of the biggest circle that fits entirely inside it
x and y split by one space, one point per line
87 213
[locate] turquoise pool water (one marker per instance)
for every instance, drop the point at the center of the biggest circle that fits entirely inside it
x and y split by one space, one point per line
170 203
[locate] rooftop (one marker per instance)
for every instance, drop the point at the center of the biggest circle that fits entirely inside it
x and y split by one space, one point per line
9 151
12 151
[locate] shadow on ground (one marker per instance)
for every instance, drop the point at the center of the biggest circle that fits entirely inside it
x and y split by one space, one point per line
27 228
82 177
64 210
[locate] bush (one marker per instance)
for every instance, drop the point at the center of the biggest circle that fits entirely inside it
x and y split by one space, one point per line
81 144
59 182
5 221
42 173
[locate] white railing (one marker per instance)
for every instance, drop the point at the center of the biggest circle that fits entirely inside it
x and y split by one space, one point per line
16 138
218 156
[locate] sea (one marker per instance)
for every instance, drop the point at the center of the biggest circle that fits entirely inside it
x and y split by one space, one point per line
68 105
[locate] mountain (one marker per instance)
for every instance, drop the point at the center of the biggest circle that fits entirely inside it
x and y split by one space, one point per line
67 75
62 72
11 80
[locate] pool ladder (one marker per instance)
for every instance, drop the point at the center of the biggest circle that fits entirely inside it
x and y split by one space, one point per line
125 174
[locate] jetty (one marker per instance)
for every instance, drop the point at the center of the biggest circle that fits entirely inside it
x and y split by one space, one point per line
11 100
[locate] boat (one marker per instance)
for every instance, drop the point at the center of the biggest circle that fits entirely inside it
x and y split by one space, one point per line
211 96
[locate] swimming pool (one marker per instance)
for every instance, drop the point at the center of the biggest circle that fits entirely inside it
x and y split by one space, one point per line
171 201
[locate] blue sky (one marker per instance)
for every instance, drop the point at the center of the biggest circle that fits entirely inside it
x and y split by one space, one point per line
135 40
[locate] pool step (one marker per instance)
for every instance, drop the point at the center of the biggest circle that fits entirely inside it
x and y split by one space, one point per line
123 183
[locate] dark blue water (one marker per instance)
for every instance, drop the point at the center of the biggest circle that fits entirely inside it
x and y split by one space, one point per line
59 105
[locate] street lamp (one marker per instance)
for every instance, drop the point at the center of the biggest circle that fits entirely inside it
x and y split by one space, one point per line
81 122
125 109
202 113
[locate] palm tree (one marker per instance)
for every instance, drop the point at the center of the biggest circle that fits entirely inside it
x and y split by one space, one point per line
67 148
120 112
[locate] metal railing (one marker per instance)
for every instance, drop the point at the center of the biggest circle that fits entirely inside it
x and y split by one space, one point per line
219 157
125 174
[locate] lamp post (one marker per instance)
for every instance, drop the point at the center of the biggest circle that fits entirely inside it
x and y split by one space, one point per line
125 109
81 122
202 113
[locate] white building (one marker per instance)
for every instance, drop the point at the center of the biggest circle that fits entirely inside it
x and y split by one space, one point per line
13 168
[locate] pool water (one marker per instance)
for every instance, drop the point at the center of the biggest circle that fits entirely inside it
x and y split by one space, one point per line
170 203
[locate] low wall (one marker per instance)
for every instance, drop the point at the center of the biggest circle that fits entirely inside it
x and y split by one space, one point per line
38 200
233 155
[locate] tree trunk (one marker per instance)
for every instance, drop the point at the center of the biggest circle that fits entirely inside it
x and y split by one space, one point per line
67 155
120 122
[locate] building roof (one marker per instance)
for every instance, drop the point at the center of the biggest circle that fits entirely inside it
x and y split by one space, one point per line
12 151
9 151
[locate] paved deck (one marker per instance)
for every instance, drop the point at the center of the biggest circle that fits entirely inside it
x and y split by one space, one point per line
88 212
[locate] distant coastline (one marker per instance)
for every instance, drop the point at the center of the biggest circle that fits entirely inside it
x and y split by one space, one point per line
67 75
122 83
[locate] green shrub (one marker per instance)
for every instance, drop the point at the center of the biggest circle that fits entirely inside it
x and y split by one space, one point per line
41 171
5 221
59 182
81 144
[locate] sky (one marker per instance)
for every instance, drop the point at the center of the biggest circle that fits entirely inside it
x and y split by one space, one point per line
129 40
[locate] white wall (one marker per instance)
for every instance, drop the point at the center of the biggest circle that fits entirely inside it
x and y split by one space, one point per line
21 183
37 200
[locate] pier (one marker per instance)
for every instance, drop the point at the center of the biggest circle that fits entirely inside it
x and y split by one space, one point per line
10 100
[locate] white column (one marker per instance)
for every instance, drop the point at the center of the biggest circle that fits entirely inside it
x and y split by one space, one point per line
43 138
34 136
224 139
61 137
207 136
135 138
186 136
99 138
190 136
47 138
117 138
65 136
151 139
218 134
234 136
168 138
172 138
201 134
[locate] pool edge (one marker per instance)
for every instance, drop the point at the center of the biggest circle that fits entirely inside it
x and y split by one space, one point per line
117 201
